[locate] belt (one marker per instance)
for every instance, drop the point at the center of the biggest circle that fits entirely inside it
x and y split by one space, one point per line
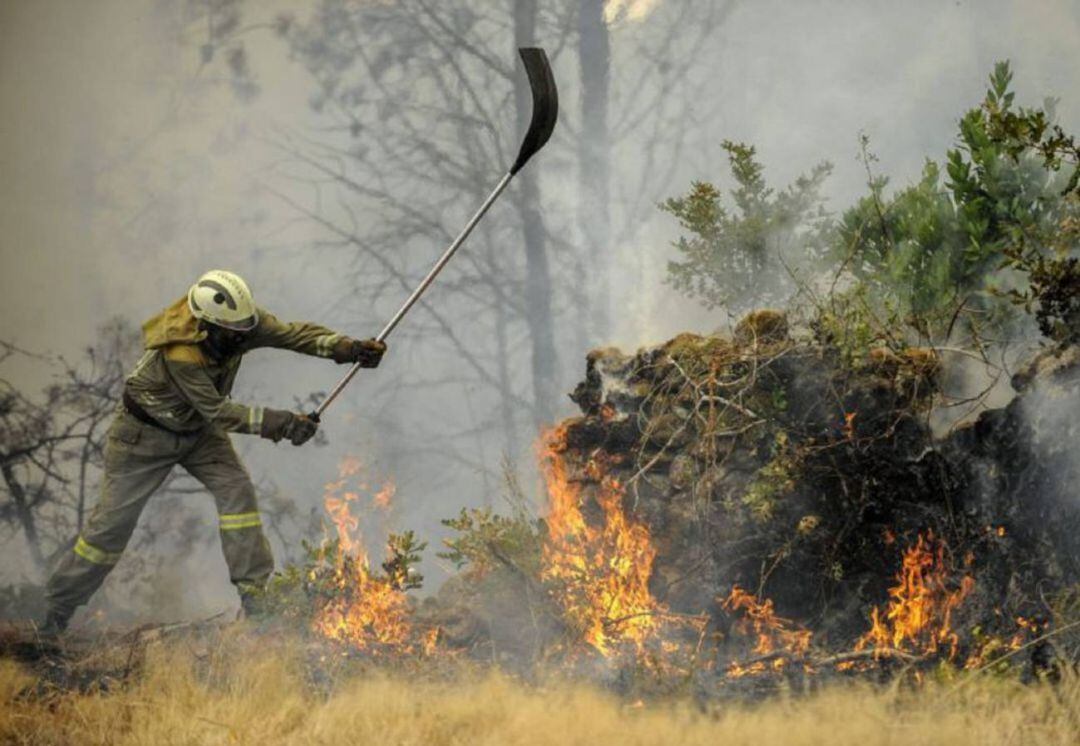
141 414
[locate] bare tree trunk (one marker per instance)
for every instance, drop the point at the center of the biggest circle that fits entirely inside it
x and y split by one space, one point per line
506 402
594 161
24 512
538 287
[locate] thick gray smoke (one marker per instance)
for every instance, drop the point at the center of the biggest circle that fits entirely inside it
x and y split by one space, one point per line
138 151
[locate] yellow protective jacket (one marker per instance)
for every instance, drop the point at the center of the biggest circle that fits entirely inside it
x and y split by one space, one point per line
178 384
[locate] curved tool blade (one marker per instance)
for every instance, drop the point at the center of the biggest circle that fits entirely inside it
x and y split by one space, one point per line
545 112
545 98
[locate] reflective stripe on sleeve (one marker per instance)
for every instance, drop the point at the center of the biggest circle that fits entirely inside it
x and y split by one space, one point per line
234 521
324 345
90 553
255 420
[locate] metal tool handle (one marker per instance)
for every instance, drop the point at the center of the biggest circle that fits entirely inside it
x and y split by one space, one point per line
418 292
545 112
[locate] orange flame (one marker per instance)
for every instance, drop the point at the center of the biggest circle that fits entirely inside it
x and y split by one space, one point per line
383 497
773 633
365 610
991 647
918 617
849 425
601 573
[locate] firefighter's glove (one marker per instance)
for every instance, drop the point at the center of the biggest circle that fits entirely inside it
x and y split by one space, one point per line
367 352
296 428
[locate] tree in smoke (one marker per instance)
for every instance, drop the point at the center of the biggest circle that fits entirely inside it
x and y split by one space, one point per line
946 260
594 154
414 101
737 257
51 446
538 290
421 94
220 23
644 99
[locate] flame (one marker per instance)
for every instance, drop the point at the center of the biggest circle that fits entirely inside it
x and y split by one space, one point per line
600 573
430 641
383 497
991 648
918 617
773 633
1027 629
849 426
365 610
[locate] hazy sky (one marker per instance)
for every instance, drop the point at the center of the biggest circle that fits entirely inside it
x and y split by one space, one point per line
129 168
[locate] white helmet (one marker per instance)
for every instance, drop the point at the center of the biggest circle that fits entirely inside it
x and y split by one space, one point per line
223 298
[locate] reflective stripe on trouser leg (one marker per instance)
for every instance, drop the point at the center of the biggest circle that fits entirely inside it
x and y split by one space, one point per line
247 552
137 460
98 556
236 521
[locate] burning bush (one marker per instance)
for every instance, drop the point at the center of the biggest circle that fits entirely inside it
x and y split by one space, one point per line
710 465
338 594
921 604
600 571
771 633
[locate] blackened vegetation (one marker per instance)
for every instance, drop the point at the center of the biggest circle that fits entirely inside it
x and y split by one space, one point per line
1020 467
780 467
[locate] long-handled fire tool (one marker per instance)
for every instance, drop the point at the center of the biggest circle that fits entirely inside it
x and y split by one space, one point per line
545 100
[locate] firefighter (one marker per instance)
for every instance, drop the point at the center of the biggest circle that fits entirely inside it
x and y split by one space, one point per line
176 410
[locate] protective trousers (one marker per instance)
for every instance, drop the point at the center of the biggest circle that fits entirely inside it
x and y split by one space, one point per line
138 458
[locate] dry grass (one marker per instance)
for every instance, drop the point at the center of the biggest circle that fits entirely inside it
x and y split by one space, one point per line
251 695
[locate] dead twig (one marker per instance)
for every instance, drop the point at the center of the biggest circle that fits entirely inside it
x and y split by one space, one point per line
851 656
974 673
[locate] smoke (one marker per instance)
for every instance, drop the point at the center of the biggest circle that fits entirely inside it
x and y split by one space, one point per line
801 81
1048 409
131 166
